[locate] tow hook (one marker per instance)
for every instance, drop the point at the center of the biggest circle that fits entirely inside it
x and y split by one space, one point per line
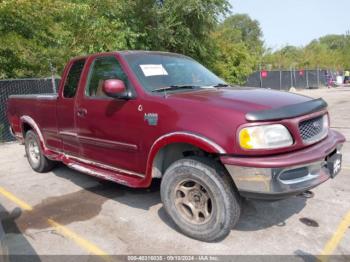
307 194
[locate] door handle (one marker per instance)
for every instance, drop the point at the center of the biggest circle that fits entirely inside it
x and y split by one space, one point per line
81 112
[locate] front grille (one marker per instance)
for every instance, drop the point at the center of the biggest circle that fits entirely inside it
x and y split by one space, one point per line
313 130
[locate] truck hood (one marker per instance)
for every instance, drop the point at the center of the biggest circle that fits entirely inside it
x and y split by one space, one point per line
242 100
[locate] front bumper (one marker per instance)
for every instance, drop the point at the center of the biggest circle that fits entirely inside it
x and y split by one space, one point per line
280 176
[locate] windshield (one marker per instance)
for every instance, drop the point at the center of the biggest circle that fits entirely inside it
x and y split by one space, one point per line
156 71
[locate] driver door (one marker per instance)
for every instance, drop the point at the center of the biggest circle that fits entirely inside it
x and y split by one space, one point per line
108 128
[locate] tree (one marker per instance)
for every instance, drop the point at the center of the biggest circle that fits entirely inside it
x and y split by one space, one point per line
328 52
286 57
24 35
237 49
182 26
240 28
38 32
234 62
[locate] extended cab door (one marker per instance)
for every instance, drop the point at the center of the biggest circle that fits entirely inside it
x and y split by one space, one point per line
108 128
66 111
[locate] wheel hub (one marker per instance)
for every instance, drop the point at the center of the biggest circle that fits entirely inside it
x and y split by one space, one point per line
193 202
34 152
197 198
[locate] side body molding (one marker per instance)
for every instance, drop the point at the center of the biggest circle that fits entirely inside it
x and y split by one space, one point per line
179 137
142 181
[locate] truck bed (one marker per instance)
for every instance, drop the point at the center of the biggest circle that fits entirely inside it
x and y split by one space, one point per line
42 108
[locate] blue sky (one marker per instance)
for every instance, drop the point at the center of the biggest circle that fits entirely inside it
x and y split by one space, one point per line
296 22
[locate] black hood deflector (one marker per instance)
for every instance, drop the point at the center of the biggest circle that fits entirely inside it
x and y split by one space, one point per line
289 111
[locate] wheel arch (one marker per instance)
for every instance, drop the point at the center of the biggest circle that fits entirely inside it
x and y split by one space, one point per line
28 123
178 142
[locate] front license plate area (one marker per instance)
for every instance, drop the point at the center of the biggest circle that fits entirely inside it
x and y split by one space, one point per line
334 163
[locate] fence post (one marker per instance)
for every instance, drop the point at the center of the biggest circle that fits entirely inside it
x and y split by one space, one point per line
307 78
291 77
260 76
295 78
318 77
280 79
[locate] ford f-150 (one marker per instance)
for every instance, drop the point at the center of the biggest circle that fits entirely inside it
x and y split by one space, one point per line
133 116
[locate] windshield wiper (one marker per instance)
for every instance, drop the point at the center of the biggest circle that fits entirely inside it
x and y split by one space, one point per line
221 85
174 87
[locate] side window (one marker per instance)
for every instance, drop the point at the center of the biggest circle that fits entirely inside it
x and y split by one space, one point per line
73 77
103 68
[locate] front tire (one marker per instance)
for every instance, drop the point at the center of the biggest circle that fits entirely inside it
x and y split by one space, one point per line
201 201
35 156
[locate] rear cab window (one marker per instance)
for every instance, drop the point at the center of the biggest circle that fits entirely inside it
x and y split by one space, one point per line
73 78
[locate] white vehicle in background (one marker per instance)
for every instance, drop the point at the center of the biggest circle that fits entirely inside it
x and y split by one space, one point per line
339 81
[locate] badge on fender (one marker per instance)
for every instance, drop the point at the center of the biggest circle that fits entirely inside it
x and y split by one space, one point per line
151 118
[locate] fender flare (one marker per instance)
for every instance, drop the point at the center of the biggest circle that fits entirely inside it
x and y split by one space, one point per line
180 137
30 121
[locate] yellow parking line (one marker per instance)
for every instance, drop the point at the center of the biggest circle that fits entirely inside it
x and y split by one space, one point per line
336 238
80 241
16 200
77 239
346 167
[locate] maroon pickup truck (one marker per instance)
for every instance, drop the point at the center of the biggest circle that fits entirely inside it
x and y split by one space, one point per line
133 116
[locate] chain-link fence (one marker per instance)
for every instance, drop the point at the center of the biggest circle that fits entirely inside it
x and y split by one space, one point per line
19 87
285 79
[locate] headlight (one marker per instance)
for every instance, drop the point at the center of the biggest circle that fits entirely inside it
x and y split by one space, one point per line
265 137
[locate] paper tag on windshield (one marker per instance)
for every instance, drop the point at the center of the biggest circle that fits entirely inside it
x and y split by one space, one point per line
153 70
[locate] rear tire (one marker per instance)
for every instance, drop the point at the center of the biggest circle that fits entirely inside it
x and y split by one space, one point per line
200 200
35 156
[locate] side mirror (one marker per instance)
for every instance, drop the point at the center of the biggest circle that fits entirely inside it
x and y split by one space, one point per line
114 88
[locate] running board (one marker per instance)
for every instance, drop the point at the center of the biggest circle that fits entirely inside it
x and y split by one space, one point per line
127 180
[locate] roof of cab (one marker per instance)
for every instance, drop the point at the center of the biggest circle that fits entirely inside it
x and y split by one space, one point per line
135 52
129 52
